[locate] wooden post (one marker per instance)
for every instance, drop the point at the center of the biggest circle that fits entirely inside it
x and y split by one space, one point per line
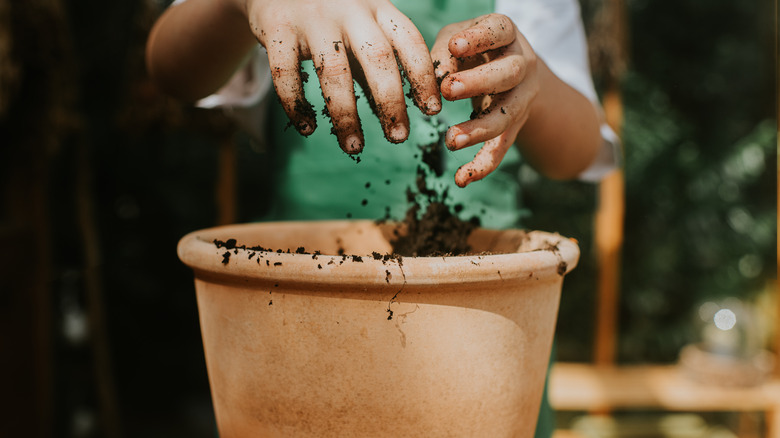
609 241
609 56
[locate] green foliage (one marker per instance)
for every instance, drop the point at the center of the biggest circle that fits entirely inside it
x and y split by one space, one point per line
700 221
700 156
699 141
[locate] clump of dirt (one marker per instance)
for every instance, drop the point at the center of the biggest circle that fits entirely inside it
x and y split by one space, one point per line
437 232
432 226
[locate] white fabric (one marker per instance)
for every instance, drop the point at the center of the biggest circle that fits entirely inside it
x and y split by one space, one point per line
555 31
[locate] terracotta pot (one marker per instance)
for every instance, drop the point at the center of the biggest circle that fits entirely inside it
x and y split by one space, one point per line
305 344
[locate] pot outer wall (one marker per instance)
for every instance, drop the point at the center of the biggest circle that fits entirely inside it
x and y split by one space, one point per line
305 345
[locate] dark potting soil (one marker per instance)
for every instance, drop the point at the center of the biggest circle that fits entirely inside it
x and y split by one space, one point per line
437 232
433 227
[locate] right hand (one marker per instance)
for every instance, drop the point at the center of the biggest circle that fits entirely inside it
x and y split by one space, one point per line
345 39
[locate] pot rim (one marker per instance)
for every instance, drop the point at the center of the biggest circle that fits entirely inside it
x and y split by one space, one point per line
549 256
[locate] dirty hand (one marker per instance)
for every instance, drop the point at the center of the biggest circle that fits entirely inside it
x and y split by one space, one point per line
486 59
345 39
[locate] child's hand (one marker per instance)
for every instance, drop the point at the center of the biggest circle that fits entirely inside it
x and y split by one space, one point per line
343 37
489 60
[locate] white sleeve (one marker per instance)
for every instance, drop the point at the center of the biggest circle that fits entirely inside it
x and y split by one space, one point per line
554 29
556 33
248 85
244 95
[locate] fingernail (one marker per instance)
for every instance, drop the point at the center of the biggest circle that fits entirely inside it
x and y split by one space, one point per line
398 133
305 129
449 139
456 88
354 145
461 140
461 180
461 44
433 105
454 140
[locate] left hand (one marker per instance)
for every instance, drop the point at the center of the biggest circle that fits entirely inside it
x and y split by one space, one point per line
489 60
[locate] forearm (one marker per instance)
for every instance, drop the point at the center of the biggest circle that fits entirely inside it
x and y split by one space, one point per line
562 134
223 39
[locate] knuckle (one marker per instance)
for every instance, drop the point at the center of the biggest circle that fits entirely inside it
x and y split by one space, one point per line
516 66
332 67
378 52
503 21
283 72
386 91
345 123
415 39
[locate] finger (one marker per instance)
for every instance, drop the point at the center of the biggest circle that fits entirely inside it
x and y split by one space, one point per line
413 54
487 159
284 58
444 63
505 109
332 66
496 76
380 69
487 33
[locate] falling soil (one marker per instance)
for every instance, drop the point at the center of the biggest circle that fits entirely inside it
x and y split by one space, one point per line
437 232
434 230
431 226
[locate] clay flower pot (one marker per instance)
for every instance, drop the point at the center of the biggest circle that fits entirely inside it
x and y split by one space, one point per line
311 343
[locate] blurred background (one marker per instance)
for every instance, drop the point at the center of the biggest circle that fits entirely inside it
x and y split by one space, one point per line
101 175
